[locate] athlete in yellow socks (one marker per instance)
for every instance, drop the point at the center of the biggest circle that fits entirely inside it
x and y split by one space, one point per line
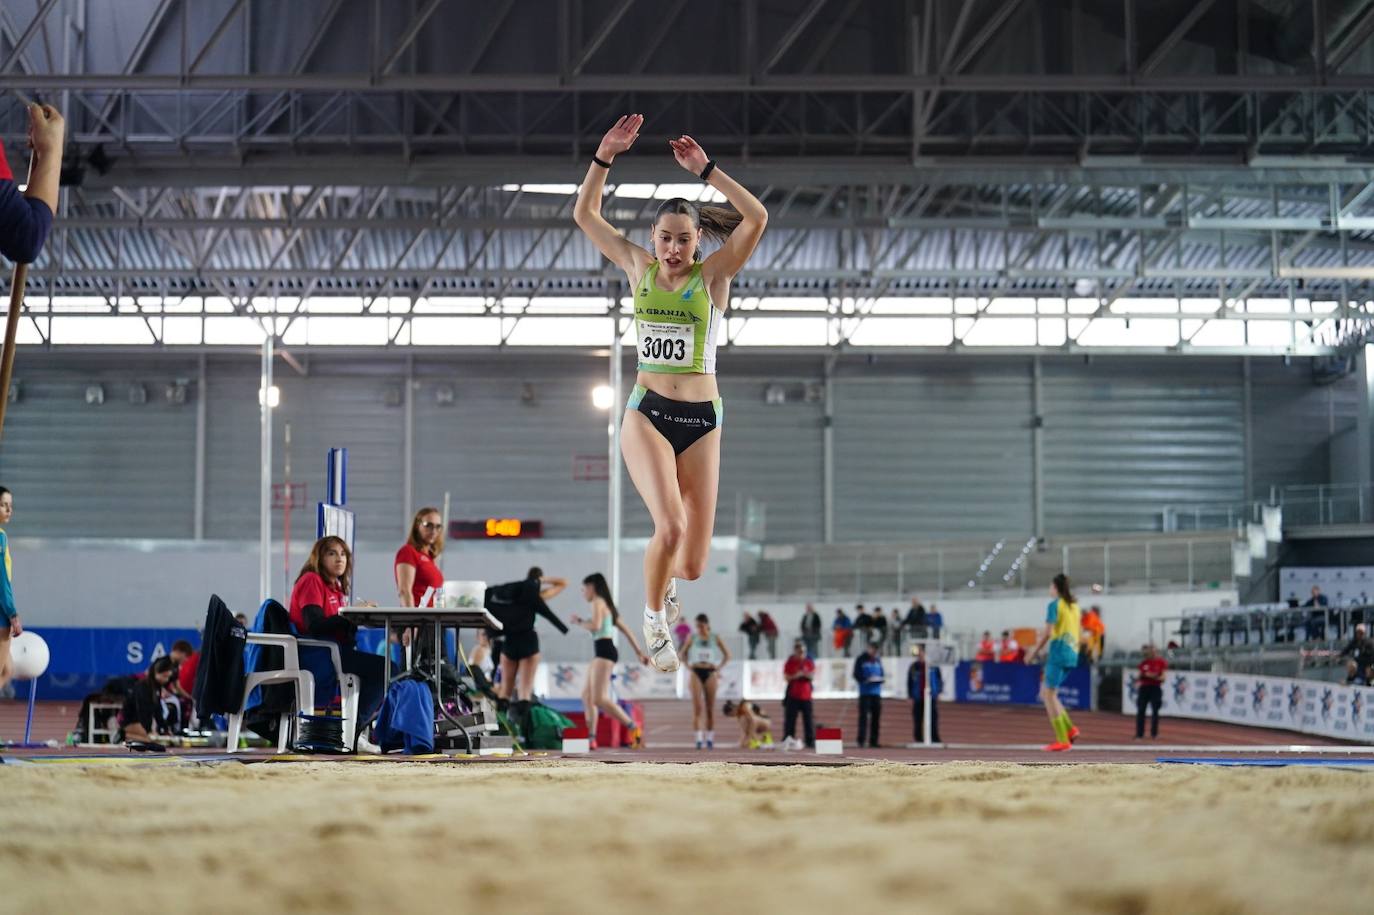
1063 629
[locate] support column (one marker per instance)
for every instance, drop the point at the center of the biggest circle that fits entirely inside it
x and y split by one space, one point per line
265 474
1037 451
1249 440
1364 417
614 513
408 468
828 454
202 414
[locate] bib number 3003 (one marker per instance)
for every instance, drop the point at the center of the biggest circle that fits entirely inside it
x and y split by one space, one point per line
667 344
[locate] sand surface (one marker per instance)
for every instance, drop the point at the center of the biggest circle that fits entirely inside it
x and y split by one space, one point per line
588 837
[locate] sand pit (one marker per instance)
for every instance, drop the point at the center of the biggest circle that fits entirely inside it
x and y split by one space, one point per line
584 837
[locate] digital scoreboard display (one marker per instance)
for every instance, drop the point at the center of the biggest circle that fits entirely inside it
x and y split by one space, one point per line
495 529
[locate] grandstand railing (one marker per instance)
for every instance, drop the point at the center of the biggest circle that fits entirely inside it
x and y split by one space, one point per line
1011 566
1317 505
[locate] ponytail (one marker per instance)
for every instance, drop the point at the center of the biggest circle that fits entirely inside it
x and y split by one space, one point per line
1064 587
603 591
716 223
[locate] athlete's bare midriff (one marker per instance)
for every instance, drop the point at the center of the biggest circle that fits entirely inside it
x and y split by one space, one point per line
691 387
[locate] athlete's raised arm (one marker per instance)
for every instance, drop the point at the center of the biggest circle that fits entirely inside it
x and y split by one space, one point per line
622 252
730 259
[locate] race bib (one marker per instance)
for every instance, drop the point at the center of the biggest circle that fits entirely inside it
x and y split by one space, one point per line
666 344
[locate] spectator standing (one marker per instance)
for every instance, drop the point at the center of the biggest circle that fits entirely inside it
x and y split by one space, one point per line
878 628
750 627
1149 691
769 629
811 631
935 621
800 671
868 671
916 619
916 692
1010 651
896 631
1316 618
1094 631
843 631
863 627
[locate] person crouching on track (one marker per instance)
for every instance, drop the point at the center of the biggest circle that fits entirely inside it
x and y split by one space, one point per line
755 728
1061 636
143 718
604 622
321 589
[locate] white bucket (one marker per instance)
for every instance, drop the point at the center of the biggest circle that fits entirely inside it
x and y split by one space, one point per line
464 595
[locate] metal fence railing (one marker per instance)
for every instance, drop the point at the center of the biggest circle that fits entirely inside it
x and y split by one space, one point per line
1316 505
853 570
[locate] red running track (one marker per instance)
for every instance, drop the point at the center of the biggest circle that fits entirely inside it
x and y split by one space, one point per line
971 732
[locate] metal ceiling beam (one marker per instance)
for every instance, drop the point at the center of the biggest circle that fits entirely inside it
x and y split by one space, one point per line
808 83
34 27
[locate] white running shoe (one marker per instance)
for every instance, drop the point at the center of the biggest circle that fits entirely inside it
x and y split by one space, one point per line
659 643
672 609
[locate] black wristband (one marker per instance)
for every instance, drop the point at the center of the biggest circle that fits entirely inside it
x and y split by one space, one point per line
710 167
601 162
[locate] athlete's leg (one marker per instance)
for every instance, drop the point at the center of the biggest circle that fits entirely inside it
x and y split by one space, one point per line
698 480
601 692
528 668
4 655
649 460
589 701
711 685
698 701
506 688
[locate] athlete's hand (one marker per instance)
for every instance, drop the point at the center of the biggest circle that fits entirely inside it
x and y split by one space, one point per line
46 129
620 137
16 627
644 659
689 154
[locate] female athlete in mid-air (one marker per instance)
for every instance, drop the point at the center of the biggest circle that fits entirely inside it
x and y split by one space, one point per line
670 436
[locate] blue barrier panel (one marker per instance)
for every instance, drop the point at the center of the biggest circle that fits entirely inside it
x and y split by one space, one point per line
82 659
1017 684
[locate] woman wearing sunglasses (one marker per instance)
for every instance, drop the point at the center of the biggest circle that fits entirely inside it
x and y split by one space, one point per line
415 566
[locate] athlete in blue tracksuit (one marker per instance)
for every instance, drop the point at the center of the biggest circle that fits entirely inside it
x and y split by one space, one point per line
868 671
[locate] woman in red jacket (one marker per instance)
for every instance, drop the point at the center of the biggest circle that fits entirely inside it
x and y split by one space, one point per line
321 589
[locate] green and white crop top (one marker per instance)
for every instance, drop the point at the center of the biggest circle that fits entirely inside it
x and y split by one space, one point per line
676 331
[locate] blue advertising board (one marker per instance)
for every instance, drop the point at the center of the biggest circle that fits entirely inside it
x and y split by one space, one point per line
1017 684
82 659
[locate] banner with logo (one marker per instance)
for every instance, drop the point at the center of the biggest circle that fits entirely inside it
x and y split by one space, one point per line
760 681
994 683
82 659
1307 706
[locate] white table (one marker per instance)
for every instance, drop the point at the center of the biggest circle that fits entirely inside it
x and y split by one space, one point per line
440 617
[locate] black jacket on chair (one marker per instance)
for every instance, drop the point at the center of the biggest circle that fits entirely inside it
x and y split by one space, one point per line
219 678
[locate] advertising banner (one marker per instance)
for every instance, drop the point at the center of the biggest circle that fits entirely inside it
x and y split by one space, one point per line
1308 706
1017 684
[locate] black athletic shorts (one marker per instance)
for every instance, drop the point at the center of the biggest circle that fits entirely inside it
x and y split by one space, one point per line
703 673
681 422
605 648
521 645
